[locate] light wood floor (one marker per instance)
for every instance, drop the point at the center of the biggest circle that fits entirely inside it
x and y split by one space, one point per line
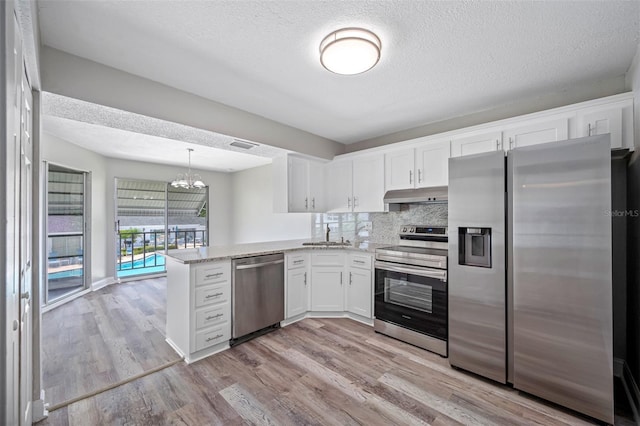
317 372
104 337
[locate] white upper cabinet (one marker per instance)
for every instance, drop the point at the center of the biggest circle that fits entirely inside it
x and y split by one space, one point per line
477 144
368 184
432 164
534 133
298 185
355 185
422 166
599 121
339 186
399 169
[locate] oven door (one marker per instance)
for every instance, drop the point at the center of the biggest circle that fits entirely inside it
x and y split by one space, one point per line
412 297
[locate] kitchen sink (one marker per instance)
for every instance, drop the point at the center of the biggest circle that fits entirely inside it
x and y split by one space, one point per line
328 243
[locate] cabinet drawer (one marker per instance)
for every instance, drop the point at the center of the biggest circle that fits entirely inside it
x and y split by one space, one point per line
211 274
360 261
296 261
327 259
208 317
212 336
213 294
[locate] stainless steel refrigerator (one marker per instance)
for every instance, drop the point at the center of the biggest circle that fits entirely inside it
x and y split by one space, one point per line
530 284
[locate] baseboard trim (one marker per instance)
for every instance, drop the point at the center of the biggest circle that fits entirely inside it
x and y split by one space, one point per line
103 283
631 389
320 314
39 409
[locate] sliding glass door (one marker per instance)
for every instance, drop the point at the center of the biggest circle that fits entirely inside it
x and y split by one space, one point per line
67 237
152 217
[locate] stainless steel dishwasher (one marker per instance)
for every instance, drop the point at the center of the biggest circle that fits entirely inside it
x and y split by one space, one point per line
257 300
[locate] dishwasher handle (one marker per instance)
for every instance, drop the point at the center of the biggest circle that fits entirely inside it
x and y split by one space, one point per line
259 265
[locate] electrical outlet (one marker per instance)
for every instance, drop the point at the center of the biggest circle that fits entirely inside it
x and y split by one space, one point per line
367 226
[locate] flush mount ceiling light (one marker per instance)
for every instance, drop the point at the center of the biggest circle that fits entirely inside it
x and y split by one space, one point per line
350 51
188 181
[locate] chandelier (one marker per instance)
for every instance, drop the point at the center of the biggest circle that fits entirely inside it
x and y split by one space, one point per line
188 180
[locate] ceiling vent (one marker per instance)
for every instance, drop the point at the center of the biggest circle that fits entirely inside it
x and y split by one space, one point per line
243 144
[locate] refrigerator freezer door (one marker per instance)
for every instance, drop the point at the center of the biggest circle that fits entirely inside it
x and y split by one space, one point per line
477 315
562 301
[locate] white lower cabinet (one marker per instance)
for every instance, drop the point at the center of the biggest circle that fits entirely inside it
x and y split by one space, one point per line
360 287
297 284
327 288
342 281
198 308
327 281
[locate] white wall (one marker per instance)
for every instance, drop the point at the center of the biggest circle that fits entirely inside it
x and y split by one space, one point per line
219 209
253 217
63 153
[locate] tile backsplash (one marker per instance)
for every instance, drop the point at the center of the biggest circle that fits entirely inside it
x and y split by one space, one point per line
378 227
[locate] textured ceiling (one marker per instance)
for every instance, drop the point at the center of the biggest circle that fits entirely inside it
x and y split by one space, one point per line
440 59
120 134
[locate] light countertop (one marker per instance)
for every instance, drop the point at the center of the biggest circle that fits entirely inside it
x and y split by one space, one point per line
215 253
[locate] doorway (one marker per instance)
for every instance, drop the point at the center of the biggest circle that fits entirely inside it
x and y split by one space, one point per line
153 217
67 232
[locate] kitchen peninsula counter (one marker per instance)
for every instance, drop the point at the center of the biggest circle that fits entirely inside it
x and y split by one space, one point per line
217 253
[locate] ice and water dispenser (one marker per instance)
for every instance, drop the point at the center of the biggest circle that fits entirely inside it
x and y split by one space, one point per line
475 247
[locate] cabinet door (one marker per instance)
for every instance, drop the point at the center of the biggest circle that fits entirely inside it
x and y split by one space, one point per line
315 202
298 182
297 295
600 122
359 292
398 169
537 133
327 291
368 184
478 144
338 188
432 164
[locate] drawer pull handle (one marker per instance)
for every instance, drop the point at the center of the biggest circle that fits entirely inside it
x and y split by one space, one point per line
213 275
213 317
359 261
214 338
298 261
209 296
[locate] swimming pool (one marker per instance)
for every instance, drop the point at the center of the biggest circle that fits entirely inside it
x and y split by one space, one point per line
151 264
151 260
66 274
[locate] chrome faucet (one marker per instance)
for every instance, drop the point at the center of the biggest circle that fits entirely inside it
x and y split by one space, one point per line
328 231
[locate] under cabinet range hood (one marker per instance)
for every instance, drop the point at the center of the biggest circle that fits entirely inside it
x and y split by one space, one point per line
430 195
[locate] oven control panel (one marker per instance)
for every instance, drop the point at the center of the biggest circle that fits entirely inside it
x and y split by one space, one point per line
423 230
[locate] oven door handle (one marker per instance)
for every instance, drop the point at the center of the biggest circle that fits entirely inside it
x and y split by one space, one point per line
404 269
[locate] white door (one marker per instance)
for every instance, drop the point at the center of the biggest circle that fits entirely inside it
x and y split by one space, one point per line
25 232
339 188
432 164
12 243
398 169
297 295
368 184
359 296
327 291
298 184
537 133
600 122
477 144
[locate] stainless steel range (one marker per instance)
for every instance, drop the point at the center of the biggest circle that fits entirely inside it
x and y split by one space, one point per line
411 288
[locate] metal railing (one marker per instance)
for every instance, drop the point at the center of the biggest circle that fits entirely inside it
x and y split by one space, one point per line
133 247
